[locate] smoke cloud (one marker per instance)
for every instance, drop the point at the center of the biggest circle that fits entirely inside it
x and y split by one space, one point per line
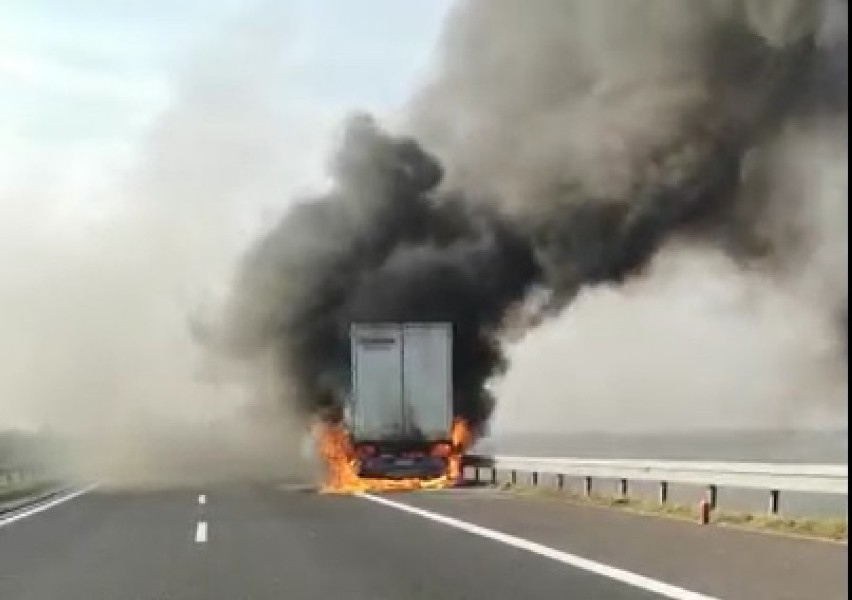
695 344
94 307
578 139
380 247
612 126
562 156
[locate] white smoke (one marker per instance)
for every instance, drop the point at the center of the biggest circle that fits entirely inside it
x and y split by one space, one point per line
96 288
696 344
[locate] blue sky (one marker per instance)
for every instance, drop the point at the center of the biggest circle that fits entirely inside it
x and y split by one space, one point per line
84 79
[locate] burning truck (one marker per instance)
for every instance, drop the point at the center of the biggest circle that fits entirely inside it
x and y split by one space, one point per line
569 166
397 429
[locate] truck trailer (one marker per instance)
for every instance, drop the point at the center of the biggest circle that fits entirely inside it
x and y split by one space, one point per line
400 410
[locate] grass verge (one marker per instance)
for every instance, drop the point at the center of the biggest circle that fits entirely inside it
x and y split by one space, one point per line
18 491
825 528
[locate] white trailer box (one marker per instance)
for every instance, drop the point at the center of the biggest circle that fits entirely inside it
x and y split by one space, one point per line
401 382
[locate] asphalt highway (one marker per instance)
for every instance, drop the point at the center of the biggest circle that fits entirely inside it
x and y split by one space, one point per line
257 542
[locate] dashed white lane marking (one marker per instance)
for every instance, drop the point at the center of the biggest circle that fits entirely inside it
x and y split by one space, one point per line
44 506
202 499
639 581
201 532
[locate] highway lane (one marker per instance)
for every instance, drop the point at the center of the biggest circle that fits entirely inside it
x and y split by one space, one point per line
103 546
262 543
718 561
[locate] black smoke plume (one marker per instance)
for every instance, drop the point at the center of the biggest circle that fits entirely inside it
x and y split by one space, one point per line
382 246
519 209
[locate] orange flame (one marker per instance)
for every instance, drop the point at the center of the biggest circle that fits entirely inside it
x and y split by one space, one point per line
341 463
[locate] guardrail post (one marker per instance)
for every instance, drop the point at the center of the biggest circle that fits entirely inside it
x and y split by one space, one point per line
773 502
663 495
704 512
587 486
493 475
534 478
513 476
712 496
560 481
622 488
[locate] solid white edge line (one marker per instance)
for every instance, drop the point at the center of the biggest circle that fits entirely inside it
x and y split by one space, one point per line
202 499
201 532
23 514
639 581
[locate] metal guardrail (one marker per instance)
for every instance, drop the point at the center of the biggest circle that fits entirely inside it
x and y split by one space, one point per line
16 475
808 478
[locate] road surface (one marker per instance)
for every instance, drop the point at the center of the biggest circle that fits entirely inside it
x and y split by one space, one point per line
247 542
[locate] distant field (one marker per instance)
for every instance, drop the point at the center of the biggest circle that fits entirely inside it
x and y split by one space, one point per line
759 446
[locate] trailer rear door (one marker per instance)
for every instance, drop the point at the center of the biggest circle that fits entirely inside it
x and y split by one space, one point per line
376 410
427 377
